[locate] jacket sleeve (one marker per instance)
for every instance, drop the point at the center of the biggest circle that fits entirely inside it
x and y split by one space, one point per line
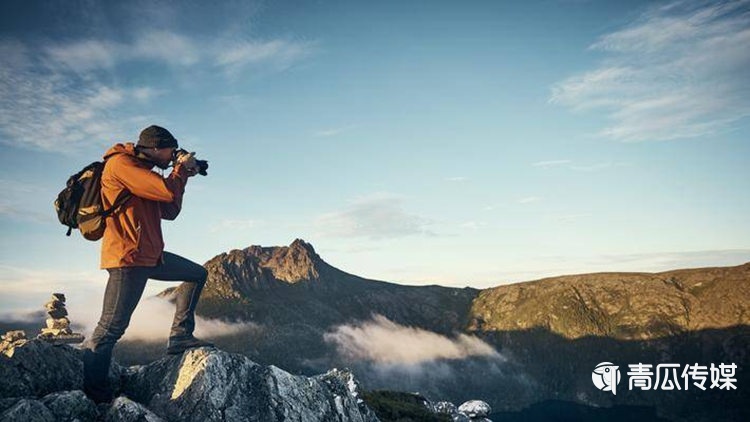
146 184
170 210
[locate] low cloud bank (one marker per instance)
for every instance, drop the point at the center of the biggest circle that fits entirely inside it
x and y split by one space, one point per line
387 355
151 321
383 341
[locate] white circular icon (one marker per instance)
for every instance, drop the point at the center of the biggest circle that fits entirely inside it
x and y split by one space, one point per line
606 376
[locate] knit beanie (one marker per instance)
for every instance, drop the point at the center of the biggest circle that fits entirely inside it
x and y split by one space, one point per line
156 137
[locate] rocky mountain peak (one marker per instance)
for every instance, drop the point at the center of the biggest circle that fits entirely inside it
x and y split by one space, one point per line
239 272
294 263
291 264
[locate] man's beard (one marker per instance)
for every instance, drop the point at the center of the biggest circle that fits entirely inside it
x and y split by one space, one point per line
161 165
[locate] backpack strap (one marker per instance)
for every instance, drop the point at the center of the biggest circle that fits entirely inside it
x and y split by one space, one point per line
120 201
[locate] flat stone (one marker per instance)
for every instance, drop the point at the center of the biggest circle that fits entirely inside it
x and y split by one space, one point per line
69 338
54 304
57 313
58 323
59 296
14 335
56 331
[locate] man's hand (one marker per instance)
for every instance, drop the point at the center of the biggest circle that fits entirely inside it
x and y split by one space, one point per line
187 159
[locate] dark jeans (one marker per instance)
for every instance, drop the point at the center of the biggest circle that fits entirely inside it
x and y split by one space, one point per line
124 290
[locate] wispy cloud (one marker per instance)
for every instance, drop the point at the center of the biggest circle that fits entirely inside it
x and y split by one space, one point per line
45 108
579 167
326 133
145 94
593 167
457 179
383 341
376 216
473 225
280 53
175 49
19 201
569 218
665 261
550 163
234 225
57 93
678 71
529 199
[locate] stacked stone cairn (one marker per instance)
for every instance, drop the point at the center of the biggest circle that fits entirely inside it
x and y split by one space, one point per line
58 325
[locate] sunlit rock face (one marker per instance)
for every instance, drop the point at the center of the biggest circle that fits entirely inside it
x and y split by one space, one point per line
42 382
210 385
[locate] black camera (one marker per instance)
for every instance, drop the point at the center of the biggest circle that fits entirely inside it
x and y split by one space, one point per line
202 164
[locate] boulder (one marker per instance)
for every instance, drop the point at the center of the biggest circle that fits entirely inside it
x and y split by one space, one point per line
70 406
42 382
28 410
475 409
444 407
207 384
125 410
37 368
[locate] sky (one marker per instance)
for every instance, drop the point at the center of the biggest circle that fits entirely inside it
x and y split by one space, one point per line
425 142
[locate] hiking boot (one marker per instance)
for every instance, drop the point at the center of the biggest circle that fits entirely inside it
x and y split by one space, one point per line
99 395
178 345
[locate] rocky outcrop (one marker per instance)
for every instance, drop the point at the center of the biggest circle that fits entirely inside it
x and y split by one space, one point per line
470 411
238 273
37 368
43 382
210 385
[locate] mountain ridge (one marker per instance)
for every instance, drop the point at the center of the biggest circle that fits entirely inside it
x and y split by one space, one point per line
621 304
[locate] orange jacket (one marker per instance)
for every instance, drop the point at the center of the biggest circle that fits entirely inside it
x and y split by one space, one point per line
133 234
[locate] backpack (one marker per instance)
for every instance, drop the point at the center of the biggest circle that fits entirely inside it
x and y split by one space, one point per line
79 205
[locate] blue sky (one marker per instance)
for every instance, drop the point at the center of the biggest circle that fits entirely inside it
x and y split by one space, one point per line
458 143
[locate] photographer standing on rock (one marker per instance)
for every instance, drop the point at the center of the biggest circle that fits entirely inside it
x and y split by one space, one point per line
133 247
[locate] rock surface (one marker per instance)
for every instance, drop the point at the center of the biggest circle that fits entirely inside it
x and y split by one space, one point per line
626 306
206 384
42 382
470 411
37 368
475 409
125 410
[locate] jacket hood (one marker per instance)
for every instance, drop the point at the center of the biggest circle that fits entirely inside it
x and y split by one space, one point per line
126 148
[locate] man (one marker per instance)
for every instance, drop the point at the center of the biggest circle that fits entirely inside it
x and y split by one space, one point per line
133 248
